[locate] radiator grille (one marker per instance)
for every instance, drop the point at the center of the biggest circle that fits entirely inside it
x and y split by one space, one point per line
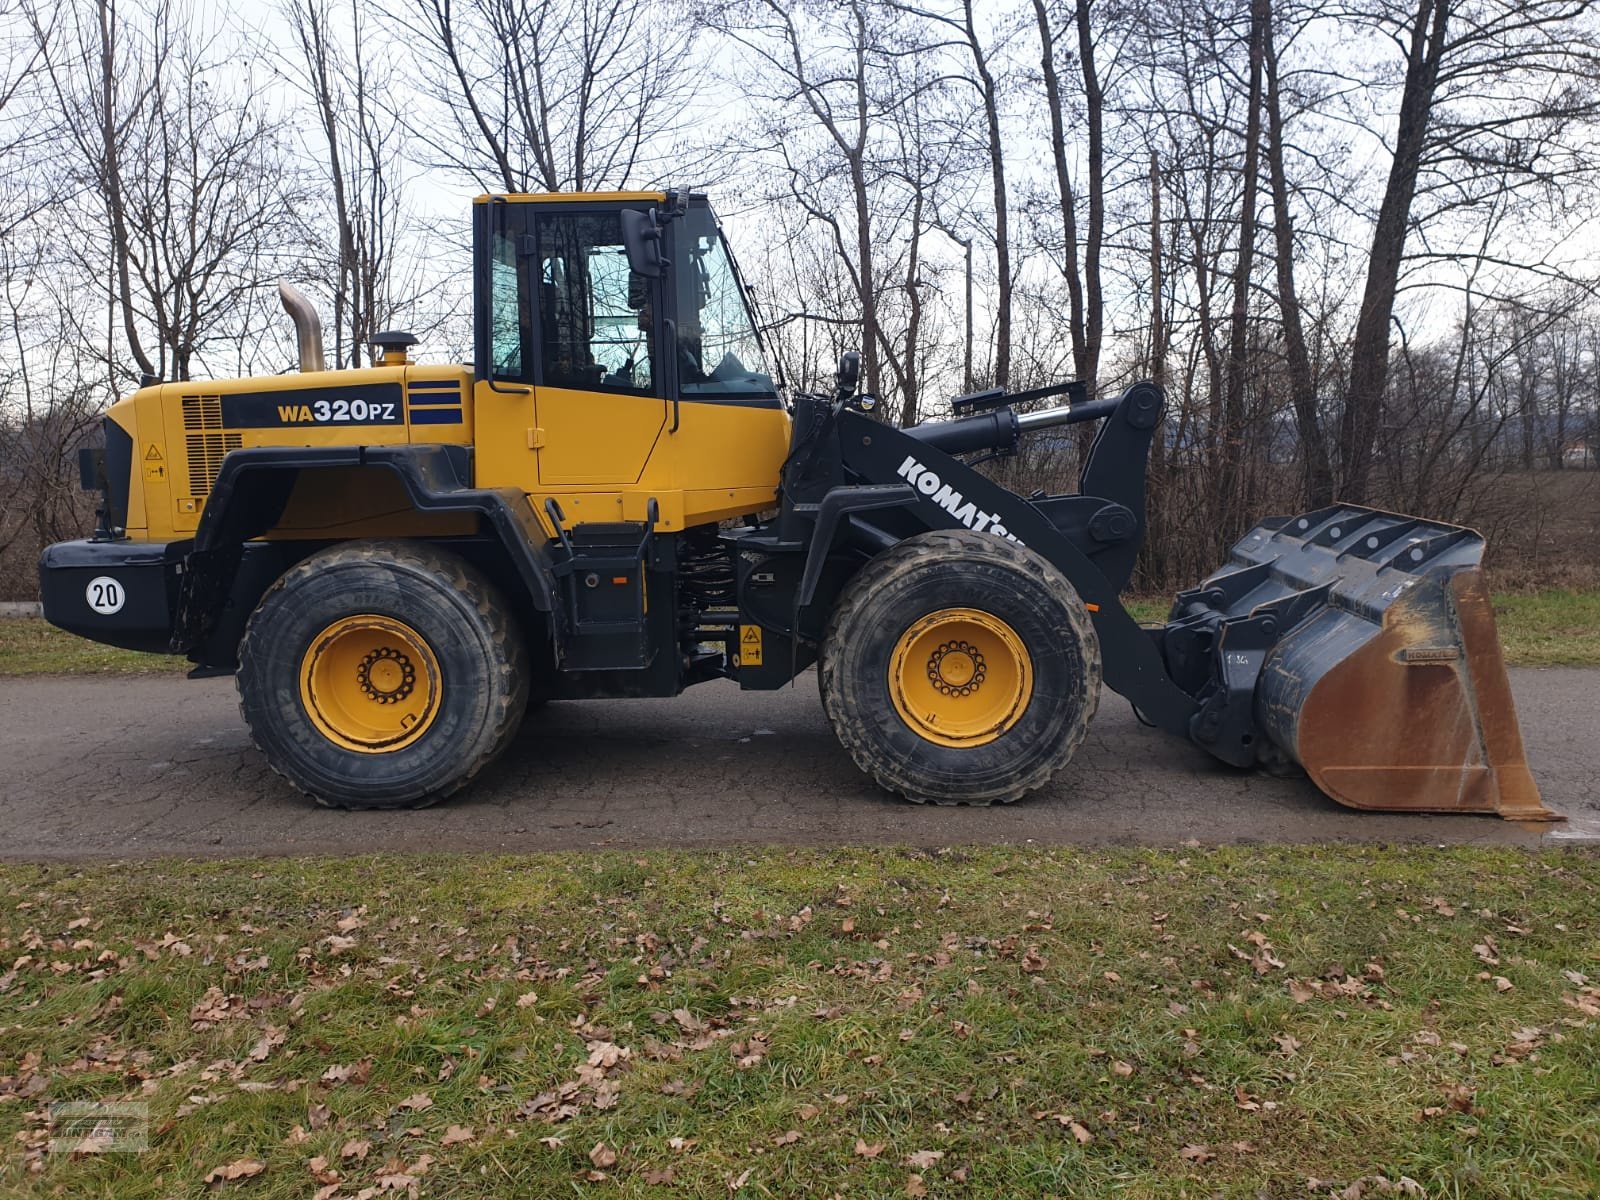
204 441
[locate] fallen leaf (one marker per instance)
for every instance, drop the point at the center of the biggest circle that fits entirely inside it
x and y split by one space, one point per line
527 999
1121 1068
659 1175
553 1142
1083 1135
923 1159
244 1168
603 1155
915 1186
787 1139
416 1103
354 1073
865 1151
320 1171
735 1183
355 1148
271 1038
457 1134
807 1111
1287 1044
1502 984
1196 1153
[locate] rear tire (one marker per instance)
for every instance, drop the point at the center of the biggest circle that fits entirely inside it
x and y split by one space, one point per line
960 668
381 675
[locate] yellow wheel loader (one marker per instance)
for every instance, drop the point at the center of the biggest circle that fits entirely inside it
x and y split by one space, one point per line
616 499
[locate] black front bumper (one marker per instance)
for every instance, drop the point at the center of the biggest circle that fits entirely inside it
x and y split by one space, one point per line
120 593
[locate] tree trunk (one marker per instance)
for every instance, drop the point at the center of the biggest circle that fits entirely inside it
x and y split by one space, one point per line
1302 383
1369 355
1233 431
1094 115
1069 204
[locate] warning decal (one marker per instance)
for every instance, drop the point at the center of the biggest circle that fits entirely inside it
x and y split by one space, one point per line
749 645
153 454
155 467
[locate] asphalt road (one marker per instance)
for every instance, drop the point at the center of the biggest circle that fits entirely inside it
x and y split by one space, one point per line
131 767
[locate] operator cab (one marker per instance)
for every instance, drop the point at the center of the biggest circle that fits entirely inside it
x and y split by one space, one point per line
565 301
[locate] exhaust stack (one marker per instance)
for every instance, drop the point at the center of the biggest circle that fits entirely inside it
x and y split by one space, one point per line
307 325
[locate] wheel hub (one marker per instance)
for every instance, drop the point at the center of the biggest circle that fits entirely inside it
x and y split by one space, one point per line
386 675
956 669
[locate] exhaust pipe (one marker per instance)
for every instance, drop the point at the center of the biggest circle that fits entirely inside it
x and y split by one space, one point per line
307 325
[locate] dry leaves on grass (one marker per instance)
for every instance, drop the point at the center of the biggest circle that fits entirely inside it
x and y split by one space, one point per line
456 1135
869 1150
321 1171
602 1155
923 1159
244 1168
347 1073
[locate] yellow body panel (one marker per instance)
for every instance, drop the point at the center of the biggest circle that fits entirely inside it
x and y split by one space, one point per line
602 456
182 431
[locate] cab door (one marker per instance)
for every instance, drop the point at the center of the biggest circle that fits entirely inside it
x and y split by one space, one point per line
599 402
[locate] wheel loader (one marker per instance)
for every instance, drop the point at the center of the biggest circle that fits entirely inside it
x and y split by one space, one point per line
617 499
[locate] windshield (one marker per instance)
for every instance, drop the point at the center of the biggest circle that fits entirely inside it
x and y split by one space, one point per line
719 352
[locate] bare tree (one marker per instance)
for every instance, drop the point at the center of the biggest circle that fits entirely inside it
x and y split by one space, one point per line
352 94
1492 92
187 184
575 95
1086 315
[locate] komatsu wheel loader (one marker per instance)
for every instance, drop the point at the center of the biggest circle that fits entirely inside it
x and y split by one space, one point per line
616 500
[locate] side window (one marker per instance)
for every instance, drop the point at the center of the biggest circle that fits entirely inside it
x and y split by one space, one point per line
596 328
506 310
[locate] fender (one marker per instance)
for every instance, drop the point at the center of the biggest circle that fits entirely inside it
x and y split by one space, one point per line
253 487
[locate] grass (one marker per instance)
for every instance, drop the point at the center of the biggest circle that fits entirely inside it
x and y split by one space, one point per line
1550 628
30 646
1537 629
1235 1022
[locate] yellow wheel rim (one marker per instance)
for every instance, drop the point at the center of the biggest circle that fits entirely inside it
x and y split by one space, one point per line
960 677
370 683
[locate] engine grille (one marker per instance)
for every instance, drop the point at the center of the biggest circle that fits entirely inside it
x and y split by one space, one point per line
204 441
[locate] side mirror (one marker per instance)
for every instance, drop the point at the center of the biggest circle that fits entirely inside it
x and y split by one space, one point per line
641 237
848 375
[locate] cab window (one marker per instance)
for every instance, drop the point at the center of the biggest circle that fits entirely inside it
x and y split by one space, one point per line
595 324
719 352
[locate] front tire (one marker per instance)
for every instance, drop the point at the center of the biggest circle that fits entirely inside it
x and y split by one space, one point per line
381 675
960 668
